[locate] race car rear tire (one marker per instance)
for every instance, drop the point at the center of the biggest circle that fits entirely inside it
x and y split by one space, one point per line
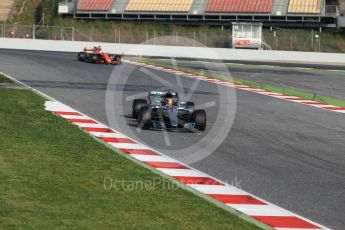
144 117
199 117
136 107
118 59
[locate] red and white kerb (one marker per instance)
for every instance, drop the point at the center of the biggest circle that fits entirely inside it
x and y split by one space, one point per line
240 200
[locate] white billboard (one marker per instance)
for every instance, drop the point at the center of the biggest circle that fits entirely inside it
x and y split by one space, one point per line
246 35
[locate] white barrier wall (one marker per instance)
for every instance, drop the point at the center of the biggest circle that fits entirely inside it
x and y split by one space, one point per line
177 51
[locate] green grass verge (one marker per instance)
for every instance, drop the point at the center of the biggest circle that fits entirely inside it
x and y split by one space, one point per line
52 175
270 67
297 93
275 89
4 79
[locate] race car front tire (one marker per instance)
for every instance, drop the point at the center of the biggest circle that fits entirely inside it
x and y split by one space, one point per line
144 117
94 59
81 56
136 107
199 117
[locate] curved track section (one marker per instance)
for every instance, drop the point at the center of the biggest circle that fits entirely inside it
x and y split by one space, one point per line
286 153
322 80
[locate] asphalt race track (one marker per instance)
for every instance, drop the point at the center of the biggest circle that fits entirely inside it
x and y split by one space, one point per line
286 153
319 81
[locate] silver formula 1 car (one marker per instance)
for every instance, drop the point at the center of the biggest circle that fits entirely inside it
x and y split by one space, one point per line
163 110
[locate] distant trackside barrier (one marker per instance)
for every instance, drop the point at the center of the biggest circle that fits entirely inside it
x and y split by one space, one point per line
175 51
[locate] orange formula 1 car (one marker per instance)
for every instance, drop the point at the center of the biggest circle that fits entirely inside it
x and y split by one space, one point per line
97 56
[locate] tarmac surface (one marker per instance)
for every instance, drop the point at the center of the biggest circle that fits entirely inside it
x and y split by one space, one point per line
320 80
289 154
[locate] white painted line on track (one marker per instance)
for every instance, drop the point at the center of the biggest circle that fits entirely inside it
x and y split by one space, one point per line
153 158
115 135
261 210
218 189
74 117
128 146
182 172
89 125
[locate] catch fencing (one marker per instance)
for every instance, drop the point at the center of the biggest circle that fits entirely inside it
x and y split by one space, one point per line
216 37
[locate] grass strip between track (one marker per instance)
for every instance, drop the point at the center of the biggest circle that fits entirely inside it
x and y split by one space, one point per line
4 79
275 89
265 67
52 174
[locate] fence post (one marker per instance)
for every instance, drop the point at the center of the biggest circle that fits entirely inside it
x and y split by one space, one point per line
62 36
119 35
72 33
147 36
154 37
312 38
4 28
205 38
194 39
33 32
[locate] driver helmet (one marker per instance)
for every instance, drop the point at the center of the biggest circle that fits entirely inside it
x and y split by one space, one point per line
169 100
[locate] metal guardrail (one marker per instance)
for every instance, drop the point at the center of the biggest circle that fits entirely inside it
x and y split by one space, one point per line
171 51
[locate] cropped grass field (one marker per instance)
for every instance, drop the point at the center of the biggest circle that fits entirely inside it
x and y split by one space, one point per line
52 176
